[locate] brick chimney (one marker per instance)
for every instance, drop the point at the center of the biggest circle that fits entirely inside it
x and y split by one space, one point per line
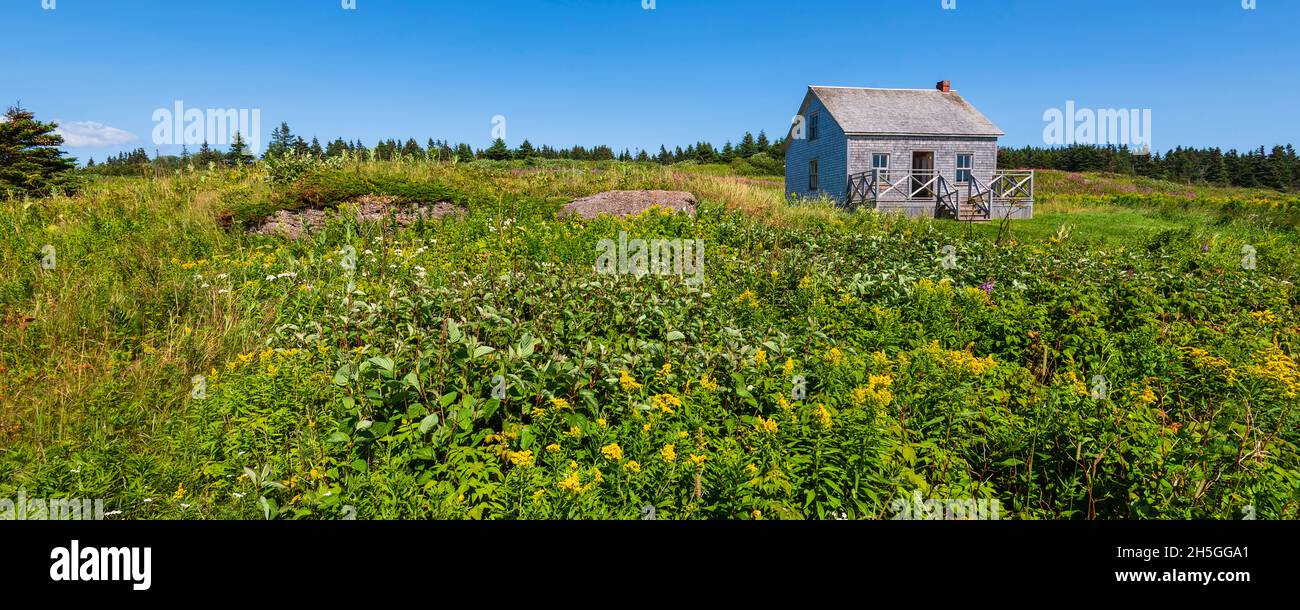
944 86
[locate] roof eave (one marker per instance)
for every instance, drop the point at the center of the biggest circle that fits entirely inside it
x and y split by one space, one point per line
926 135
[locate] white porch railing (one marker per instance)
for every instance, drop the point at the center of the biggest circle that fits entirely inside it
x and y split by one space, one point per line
970 200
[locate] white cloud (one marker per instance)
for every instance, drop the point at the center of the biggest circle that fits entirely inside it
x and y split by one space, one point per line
89 134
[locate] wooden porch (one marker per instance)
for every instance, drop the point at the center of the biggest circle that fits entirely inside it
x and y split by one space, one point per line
974 200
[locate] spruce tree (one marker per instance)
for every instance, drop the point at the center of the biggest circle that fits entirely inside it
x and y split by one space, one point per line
282 141
412 149
525 150
498 151
238 155
747 146
30 160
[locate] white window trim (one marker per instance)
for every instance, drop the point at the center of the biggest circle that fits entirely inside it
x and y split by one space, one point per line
884 171
958 168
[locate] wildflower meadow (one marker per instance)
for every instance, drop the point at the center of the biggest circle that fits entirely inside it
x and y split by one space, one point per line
1119 356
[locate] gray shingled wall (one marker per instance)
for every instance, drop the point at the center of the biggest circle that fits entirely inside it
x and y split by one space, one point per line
830 151
900 150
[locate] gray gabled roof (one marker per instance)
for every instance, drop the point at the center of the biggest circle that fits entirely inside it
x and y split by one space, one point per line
912 112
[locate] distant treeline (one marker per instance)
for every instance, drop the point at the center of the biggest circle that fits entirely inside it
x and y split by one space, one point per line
760 153
1278 168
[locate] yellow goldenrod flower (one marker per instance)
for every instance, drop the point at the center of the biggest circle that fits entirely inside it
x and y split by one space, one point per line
601 422
612 452
760 357
789 367
628 382
180 492
877 390
834 356
767 426
665 402
697 460
1279 368
1264 317
822 416
708 384
1075 383
633 466
669 453
559 403
552 448
571 483
757 514
523 459
879 360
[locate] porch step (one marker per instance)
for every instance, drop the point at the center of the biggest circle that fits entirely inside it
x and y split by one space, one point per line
970 212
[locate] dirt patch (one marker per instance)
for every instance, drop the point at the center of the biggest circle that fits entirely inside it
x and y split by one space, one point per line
629 203
370 208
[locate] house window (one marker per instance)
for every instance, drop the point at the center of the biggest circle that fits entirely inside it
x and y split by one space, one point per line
964 165
812 175
880 161
812 126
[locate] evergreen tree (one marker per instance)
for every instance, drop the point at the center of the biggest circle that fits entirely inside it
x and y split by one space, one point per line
206 155
336 148
282 141
30 160
238 155
316 150
412 149
747 146
464 153
498 151
525 150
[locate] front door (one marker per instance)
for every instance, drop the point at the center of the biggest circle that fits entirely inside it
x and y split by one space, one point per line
922 174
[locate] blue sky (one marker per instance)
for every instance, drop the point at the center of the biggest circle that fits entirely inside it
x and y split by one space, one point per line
566 72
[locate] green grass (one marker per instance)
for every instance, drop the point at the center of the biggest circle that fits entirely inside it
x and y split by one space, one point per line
373 388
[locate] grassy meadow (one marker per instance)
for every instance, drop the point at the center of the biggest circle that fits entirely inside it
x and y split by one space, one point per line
1129 353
